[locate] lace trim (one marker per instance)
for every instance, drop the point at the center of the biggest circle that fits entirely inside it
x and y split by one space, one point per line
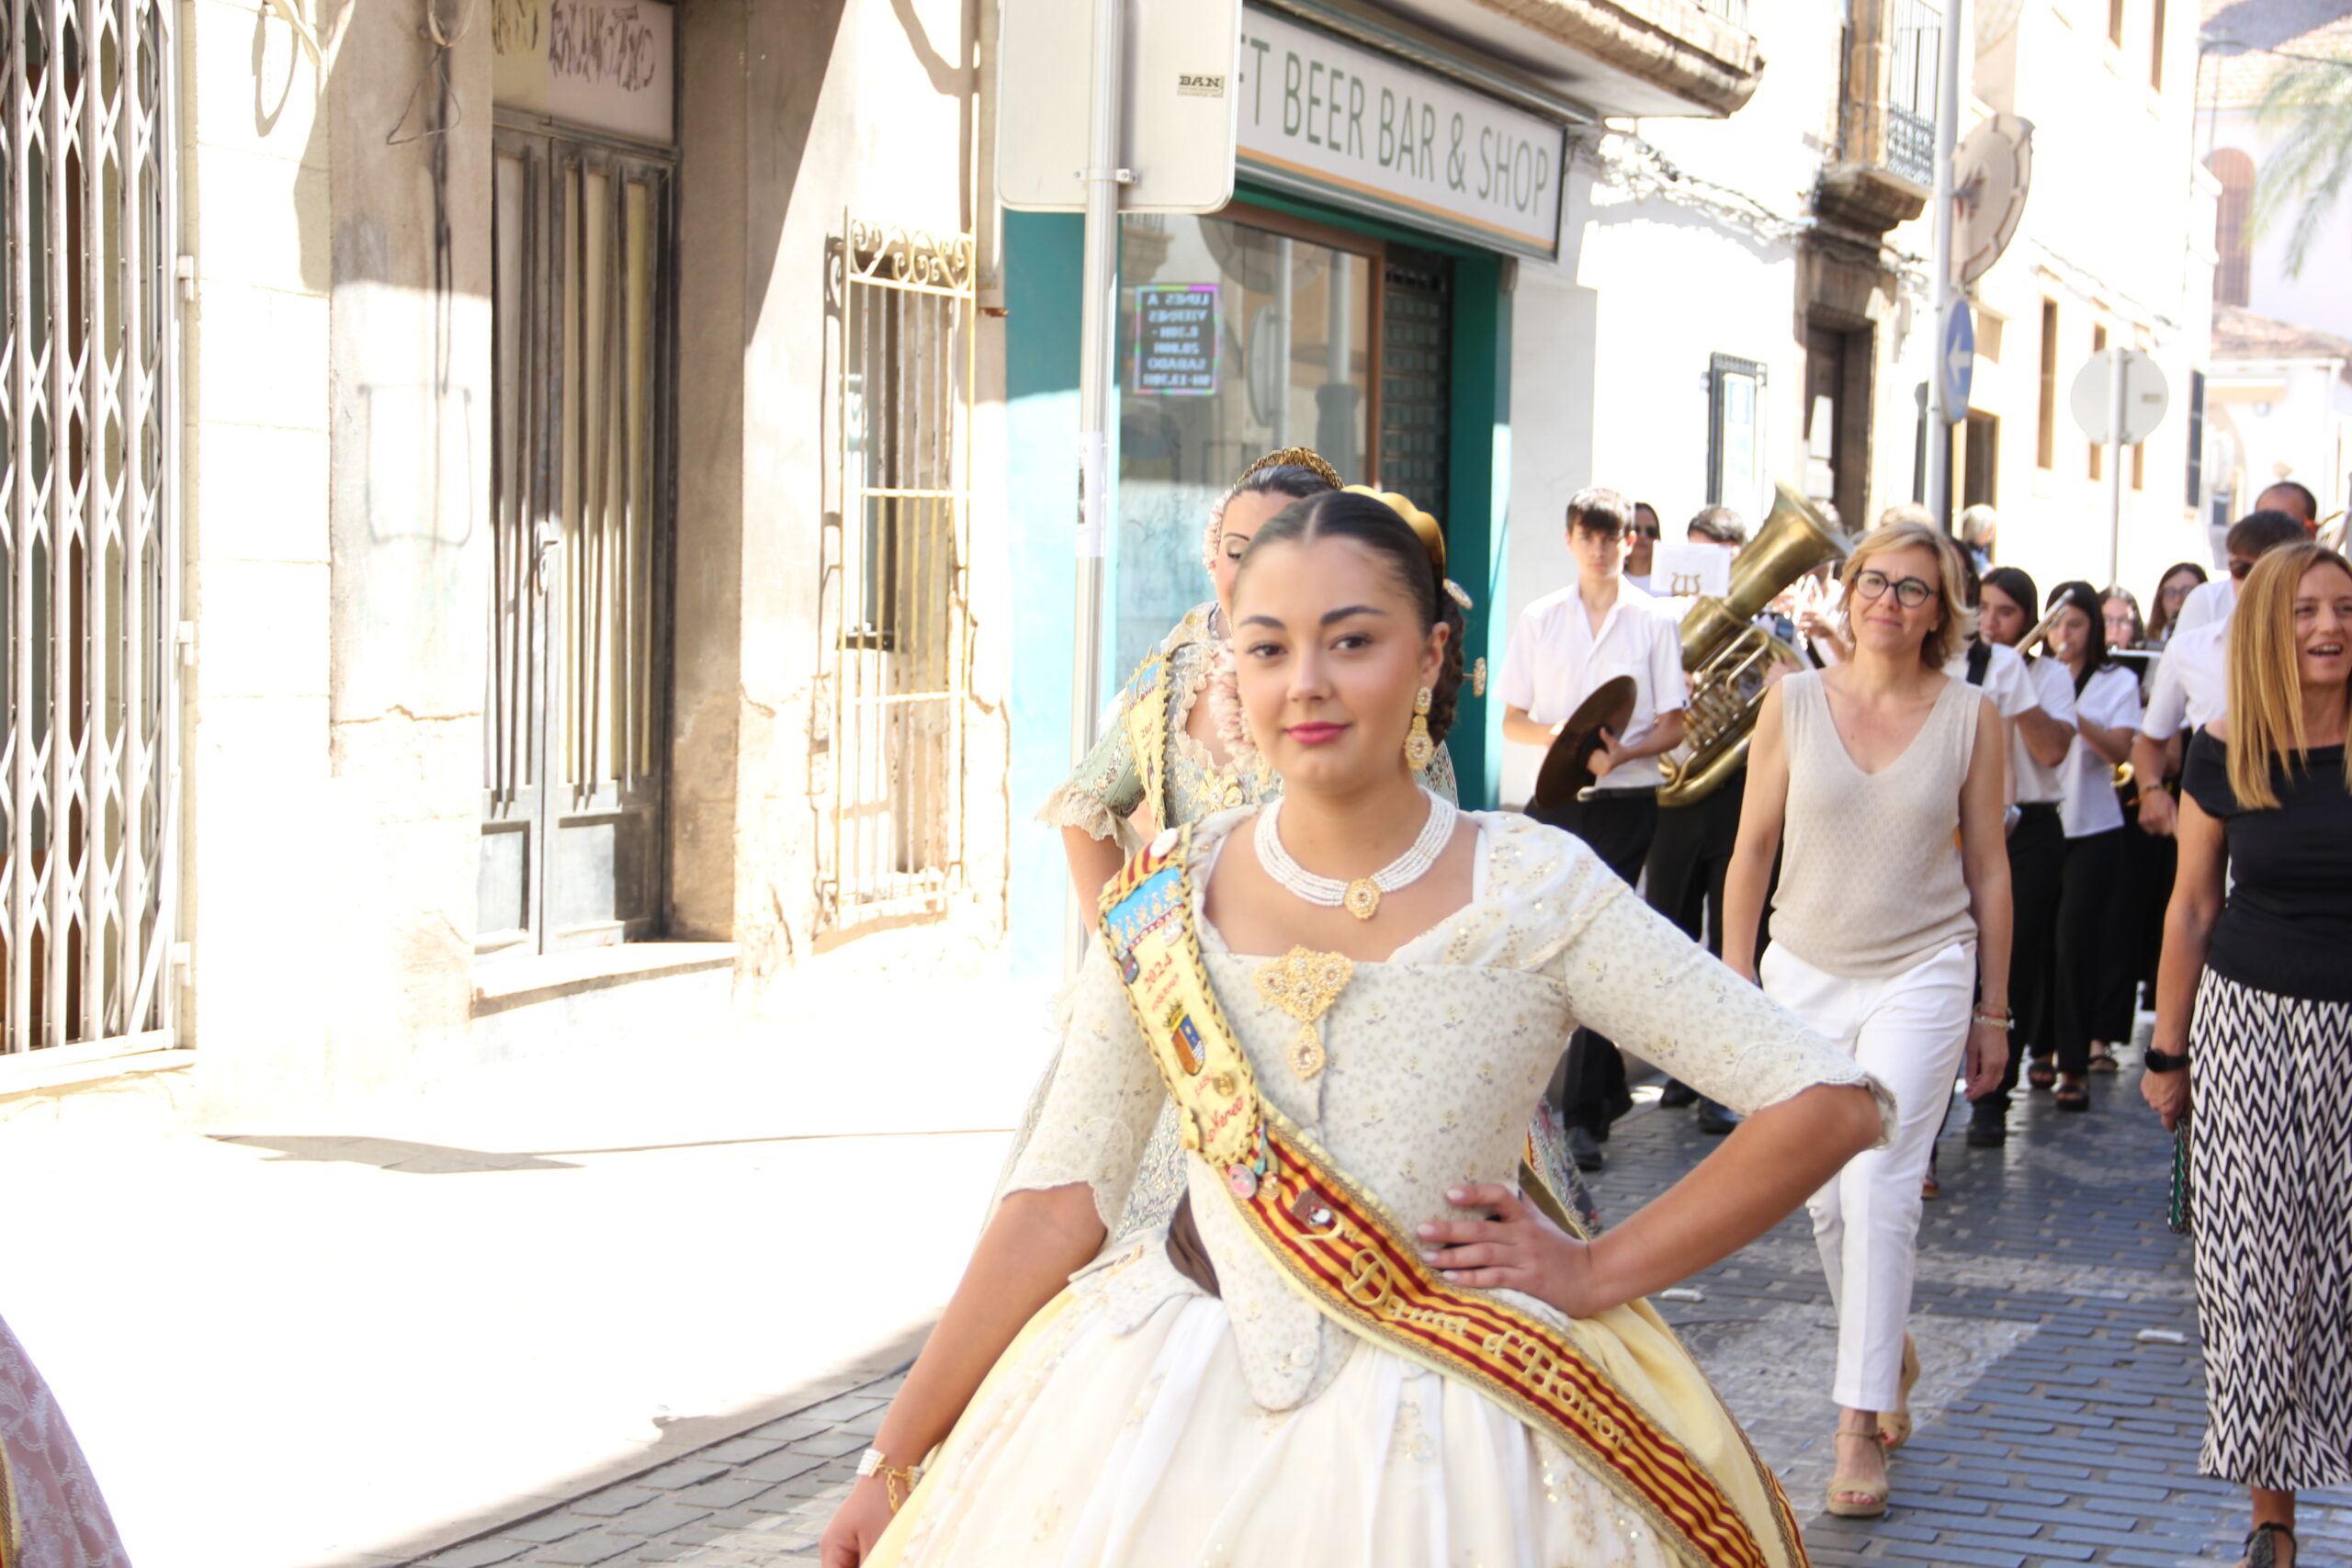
1072 806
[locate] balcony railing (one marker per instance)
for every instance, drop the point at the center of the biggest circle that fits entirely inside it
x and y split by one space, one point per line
1914 42
1731 11
1885 164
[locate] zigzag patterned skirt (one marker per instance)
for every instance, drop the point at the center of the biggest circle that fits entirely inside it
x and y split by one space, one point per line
2272 1163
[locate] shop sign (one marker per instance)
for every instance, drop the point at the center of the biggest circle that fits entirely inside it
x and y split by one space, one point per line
603 65
1175 340
1346 122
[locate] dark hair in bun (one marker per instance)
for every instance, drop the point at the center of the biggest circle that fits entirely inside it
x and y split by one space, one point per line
1373 524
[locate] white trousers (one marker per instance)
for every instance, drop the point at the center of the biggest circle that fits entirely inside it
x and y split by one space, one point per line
1907 1031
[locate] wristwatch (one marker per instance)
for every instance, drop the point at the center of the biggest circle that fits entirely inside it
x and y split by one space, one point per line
2157 1061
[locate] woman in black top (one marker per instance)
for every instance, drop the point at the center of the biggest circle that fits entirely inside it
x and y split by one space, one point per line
2267 799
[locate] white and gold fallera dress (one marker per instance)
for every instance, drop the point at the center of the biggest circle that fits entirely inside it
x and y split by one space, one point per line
1141 1421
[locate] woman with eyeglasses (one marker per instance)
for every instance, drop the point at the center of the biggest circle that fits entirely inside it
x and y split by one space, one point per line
2172 590
1885 778
2091 1001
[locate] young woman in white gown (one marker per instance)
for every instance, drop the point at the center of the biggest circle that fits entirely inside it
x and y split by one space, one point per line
1398 979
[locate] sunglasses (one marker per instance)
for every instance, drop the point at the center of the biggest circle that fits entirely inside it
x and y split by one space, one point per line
1642 533
2238 568
1910 592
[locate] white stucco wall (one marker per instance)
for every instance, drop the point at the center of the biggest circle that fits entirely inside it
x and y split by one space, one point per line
2117 230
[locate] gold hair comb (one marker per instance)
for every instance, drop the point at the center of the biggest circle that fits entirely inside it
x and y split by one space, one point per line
1295 457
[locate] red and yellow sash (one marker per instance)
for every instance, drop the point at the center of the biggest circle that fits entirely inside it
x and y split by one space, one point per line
1334 1240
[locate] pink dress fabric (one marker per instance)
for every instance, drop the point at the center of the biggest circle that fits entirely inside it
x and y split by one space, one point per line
55 1515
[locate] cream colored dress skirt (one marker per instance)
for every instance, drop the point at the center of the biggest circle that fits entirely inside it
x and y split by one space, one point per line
1091 1448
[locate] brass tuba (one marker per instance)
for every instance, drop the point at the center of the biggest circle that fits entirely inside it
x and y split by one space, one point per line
1727 656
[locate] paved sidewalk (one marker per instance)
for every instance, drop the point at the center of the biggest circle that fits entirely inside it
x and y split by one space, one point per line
342 1339
2058 1414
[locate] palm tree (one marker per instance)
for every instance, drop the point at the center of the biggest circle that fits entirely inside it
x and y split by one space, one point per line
2309 109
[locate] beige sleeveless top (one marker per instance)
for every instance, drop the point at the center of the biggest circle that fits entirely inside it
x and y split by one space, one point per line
1871 879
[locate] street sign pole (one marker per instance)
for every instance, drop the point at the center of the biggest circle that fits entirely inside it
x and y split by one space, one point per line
2119 358
1097 377
1940 414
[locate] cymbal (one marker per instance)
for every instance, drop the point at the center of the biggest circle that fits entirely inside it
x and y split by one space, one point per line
1568 766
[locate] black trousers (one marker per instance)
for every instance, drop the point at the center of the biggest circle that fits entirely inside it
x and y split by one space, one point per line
1689 855
1589 1086
2090 956
2037 856
2150 863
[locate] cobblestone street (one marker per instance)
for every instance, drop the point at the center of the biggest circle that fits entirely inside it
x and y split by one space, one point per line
2059 1412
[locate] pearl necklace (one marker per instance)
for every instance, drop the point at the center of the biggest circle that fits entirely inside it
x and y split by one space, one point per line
1362 896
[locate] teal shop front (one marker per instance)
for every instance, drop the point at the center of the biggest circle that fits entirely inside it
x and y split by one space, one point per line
1354 298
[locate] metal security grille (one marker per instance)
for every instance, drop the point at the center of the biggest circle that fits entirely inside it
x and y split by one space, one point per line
89 511
890 762
1416 374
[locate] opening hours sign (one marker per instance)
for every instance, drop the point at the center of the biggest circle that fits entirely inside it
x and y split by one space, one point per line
1175 339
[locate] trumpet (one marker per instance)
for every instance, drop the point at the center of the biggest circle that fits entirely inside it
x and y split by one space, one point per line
2033 641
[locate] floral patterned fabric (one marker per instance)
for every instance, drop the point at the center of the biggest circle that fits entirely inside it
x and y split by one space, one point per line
1138 1422
55 1515
1104 794
1436 1058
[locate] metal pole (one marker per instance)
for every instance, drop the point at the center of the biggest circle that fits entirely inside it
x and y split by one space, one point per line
2116 357
1939 415
1096 380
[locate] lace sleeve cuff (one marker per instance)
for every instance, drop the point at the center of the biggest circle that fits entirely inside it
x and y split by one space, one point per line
1072 806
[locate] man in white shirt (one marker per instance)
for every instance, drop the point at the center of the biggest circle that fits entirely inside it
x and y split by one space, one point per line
1565 645
2191 686
2210 602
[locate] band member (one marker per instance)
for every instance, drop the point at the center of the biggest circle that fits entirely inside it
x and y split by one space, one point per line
1565 645
1376 984
1683 874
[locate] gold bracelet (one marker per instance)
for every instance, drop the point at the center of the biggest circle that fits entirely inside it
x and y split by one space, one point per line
896 1478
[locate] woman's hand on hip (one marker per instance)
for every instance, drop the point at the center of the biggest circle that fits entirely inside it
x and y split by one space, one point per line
1988 1054
857 1524
1519 1249
2167 1096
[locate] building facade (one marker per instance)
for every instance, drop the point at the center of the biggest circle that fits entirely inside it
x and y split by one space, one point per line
534 521
495 560
1391 284
2278 407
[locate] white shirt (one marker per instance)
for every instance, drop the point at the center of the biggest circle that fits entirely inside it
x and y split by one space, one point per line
2206 603
2010 682
1642 583
2192 684
1556 660
2111 701
2005 681
2054 685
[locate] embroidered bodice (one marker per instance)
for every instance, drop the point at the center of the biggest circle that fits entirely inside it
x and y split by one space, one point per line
1435 1058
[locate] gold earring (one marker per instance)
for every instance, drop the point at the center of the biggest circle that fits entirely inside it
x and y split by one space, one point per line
1419 750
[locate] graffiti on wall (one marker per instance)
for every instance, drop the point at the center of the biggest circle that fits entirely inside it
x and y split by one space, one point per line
605 65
